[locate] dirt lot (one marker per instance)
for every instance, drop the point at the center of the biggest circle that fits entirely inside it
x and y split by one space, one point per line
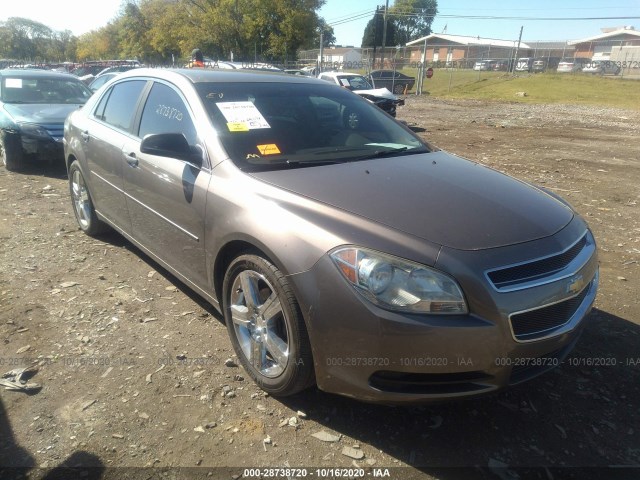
133 369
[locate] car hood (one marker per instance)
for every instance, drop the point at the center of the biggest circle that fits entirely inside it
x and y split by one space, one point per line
377 92
436 196
40 113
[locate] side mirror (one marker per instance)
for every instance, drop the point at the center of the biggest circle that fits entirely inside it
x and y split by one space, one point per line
172 145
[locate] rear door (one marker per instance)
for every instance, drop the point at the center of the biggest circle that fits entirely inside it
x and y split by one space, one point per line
108 130
166 197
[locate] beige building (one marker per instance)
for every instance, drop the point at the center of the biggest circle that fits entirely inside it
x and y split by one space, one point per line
457 49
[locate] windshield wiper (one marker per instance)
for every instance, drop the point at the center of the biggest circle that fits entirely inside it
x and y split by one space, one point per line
383 153
286 161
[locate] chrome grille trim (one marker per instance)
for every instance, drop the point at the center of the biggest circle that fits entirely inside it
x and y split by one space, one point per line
579 261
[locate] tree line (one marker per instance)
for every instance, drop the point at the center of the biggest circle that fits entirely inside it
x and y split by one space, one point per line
24 39
166 31
163 31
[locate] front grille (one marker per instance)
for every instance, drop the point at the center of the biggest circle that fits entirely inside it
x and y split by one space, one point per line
528 325
56 130
526 272
430 383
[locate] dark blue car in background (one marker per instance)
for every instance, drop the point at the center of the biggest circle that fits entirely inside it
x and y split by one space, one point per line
33 107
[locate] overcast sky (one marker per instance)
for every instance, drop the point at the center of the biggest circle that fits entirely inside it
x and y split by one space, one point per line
64 15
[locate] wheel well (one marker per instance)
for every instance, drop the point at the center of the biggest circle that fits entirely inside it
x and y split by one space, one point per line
70 160
225 256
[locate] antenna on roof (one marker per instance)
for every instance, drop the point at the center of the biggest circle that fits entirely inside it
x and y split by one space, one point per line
444 30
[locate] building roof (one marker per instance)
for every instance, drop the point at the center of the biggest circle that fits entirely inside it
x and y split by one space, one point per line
468 40
547 45
604 36
338 50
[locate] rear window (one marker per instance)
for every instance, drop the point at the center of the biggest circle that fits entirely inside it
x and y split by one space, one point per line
279 125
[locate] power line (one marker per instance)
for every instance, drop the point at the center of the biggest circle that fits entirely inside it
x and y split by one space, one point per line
336 19
352 19
485 17
491 17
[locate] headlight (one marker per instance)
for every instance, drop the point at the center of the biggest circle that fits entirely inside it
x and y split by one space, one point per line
34 130
396 284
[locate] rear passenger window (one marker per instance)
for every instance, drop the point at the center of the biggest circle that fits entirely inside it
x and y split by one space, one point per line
118 107
166 112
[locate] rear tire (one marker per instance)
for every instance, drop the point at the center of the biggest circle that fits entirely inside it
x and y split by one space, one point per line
398 89
83 208
11 152
266 326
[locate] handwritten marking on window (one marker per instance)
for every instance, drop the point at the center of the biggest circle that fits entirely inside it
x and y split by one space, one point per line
169 112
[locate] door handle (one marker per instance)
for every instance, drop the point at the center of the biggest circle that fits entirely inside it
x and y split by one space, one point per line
85 135
131 159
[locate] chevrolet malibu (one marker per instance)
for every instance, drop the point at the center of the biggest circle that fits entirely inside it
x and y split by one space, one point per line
342 250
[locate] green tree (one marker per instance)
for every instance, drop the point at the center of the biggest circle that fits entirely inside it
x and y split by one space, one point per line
284 25
166 20
26 39
101 44
373 31
328 35
413 19
132 29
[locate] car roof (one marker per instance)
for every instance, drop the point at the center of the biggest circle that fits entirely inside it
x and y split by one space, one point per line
199 75
27 73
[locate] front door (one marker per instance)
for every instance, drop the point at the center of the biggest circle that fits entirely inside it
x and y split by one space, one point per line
166 197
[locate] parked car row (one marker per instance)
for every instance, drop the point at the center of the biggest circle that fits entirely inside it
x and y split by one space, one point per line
538 65
342 249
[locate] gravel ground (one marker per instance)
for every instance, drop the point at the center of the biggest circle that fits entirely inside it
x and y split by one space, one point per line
137 371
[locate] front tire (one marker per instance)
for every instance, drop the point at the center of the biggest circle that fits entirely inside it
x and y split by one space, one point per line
83 208
266 326
11 152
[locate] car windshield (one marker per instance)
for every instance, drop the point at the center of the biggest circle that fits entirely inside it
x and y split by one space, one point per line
284 125
354 82
44 90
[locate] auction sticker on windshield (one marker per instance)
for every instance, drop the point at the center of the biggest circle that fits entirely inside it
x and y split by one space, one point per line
242 116
13 83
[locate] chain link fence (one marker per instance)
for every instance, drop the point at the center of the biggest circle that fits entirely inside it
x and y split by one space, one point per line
452 64
456 64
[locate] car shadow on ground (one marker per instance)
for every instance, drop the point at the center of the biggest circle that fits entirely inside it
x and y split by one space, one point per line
53 169
583 414
16 462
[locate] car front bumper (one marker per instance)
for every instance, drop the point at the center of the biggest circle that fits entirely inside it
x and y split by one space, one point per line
42 149
376 355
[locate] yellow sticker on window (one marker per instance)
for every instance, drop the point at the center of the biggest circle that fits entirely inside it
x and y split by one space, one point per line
237 127
270 149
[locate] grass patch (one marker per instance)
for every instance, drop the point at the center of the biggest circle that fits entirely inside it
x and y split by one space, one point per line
540 88
570 88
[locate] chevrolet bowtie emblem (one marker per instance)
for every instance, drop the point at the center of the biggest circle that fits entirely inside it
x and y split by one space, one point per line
575 284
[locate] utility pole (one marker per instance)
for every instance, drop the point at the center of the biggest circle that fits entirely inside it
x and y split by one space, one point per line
321 55
384 33
515 60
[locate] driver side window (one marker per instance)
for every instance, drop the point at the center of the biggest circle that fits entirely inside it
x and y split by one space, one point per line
166 112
